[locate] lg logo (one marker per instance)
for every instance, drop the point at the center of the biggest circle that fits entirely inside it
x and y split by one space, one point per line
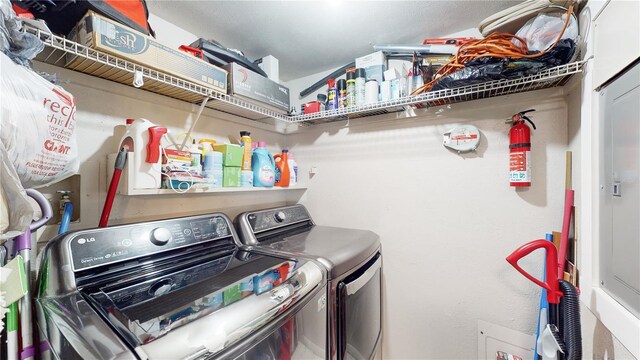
87 240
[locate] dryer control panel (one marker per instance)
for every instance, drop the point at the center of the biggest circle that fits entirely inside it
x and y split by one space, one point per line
276 218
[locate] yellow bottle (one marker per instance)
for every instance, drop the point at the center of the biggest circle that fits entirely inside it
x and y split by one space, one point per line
245 142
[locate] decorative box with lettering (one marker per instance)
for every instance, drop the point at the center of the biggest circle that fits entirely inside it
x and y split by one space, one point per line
109 36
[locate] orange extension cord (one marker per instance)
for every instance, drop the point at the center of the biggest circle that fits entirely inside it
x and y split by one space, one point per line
497 45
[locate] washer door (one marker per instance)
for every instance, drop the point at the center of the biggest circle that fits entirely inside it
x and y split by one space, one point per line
360 312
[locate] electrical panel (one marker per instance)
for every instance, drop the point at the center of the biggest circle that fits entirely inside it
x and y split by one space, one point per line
620 189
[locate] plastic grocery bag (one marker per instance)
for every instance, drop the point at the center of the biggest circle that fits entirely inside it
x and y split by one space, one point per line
37 126
18 45
16 212
543 30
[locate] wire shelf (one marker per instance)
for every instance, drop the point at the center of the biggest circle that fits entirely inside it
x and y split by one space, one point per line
548 78
63 52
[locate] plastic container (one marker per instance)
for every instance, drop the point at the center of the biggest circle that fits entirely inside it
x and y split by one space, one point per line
246 178
283 176
361 79
245 142
322 98
196 157
213 177
139 141
263 166
371 92
293 170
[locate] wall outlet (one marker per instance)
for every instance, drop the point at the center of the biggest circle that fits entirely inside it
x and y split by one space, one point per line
494 338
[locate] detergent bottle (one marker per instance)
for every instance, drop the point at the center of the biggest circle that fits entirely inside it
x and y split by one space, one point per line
293 170
263 166
142 140
283 175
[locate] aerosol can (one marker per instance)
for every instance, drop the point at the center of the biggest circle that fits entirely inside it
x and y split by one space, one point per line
520 149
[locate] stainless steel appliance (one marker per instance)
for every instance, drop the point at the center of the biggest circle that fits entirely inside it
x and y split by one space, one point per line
176 289
354 262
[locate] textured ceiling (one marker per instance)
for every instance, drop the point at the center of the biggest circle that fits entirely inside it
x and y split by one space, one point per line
311 36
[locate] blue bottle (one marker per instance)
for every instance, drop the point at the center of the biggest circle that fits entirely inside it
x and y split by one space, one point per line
263 166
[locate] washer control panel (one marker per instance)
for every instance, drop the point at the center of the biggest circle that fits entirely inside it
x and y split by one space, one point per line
97 247
275 218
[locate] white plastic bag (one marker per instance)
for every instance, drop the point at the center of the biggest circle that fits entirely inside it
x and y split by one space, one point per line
16 212
543 30
37 126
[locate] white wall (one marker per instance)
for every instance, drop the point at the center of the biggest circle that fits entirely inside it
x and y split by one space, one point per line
446 221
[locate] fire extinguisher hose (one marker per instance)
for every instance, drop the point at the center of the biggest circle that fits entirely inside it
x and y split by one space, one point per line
570 320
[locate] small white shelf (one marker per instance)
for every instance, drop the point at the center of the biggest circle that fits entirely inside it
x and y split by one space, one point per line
126 187
224 190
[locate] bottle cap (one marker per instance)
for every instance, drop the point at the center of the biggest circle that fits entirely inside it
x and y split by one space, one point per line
262 144
331 83
342 84
351 75
285 150
130 121
360 73
244 133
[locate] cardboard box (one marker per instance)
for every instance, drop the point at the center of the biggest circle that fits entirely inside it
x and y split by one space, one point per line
252 86
231 176
231 154
111 37
374 65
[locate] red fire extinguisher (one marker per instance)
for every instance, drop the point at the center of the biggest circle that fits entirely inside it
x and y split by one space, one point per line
520 149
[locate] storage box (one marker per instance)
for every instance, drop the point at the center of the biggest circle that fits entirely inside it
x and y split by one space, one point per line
231 154
111 37
231 176
374 65
249 85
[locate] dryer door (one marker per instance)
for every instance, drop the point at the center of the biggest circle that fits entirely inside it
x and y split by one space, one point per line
360 312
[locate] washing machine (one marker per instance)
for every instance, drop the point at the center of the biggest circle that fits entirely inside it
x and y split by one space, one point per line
176 289
353 260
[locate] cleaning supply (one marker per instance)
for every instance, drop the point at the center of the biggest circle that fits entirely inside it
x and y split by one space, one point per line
231 154
342 93
361 79
142 138
332 95
283 176
351 89
245 142
231 176
293 170
210 159
196 157
263 166
246 178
